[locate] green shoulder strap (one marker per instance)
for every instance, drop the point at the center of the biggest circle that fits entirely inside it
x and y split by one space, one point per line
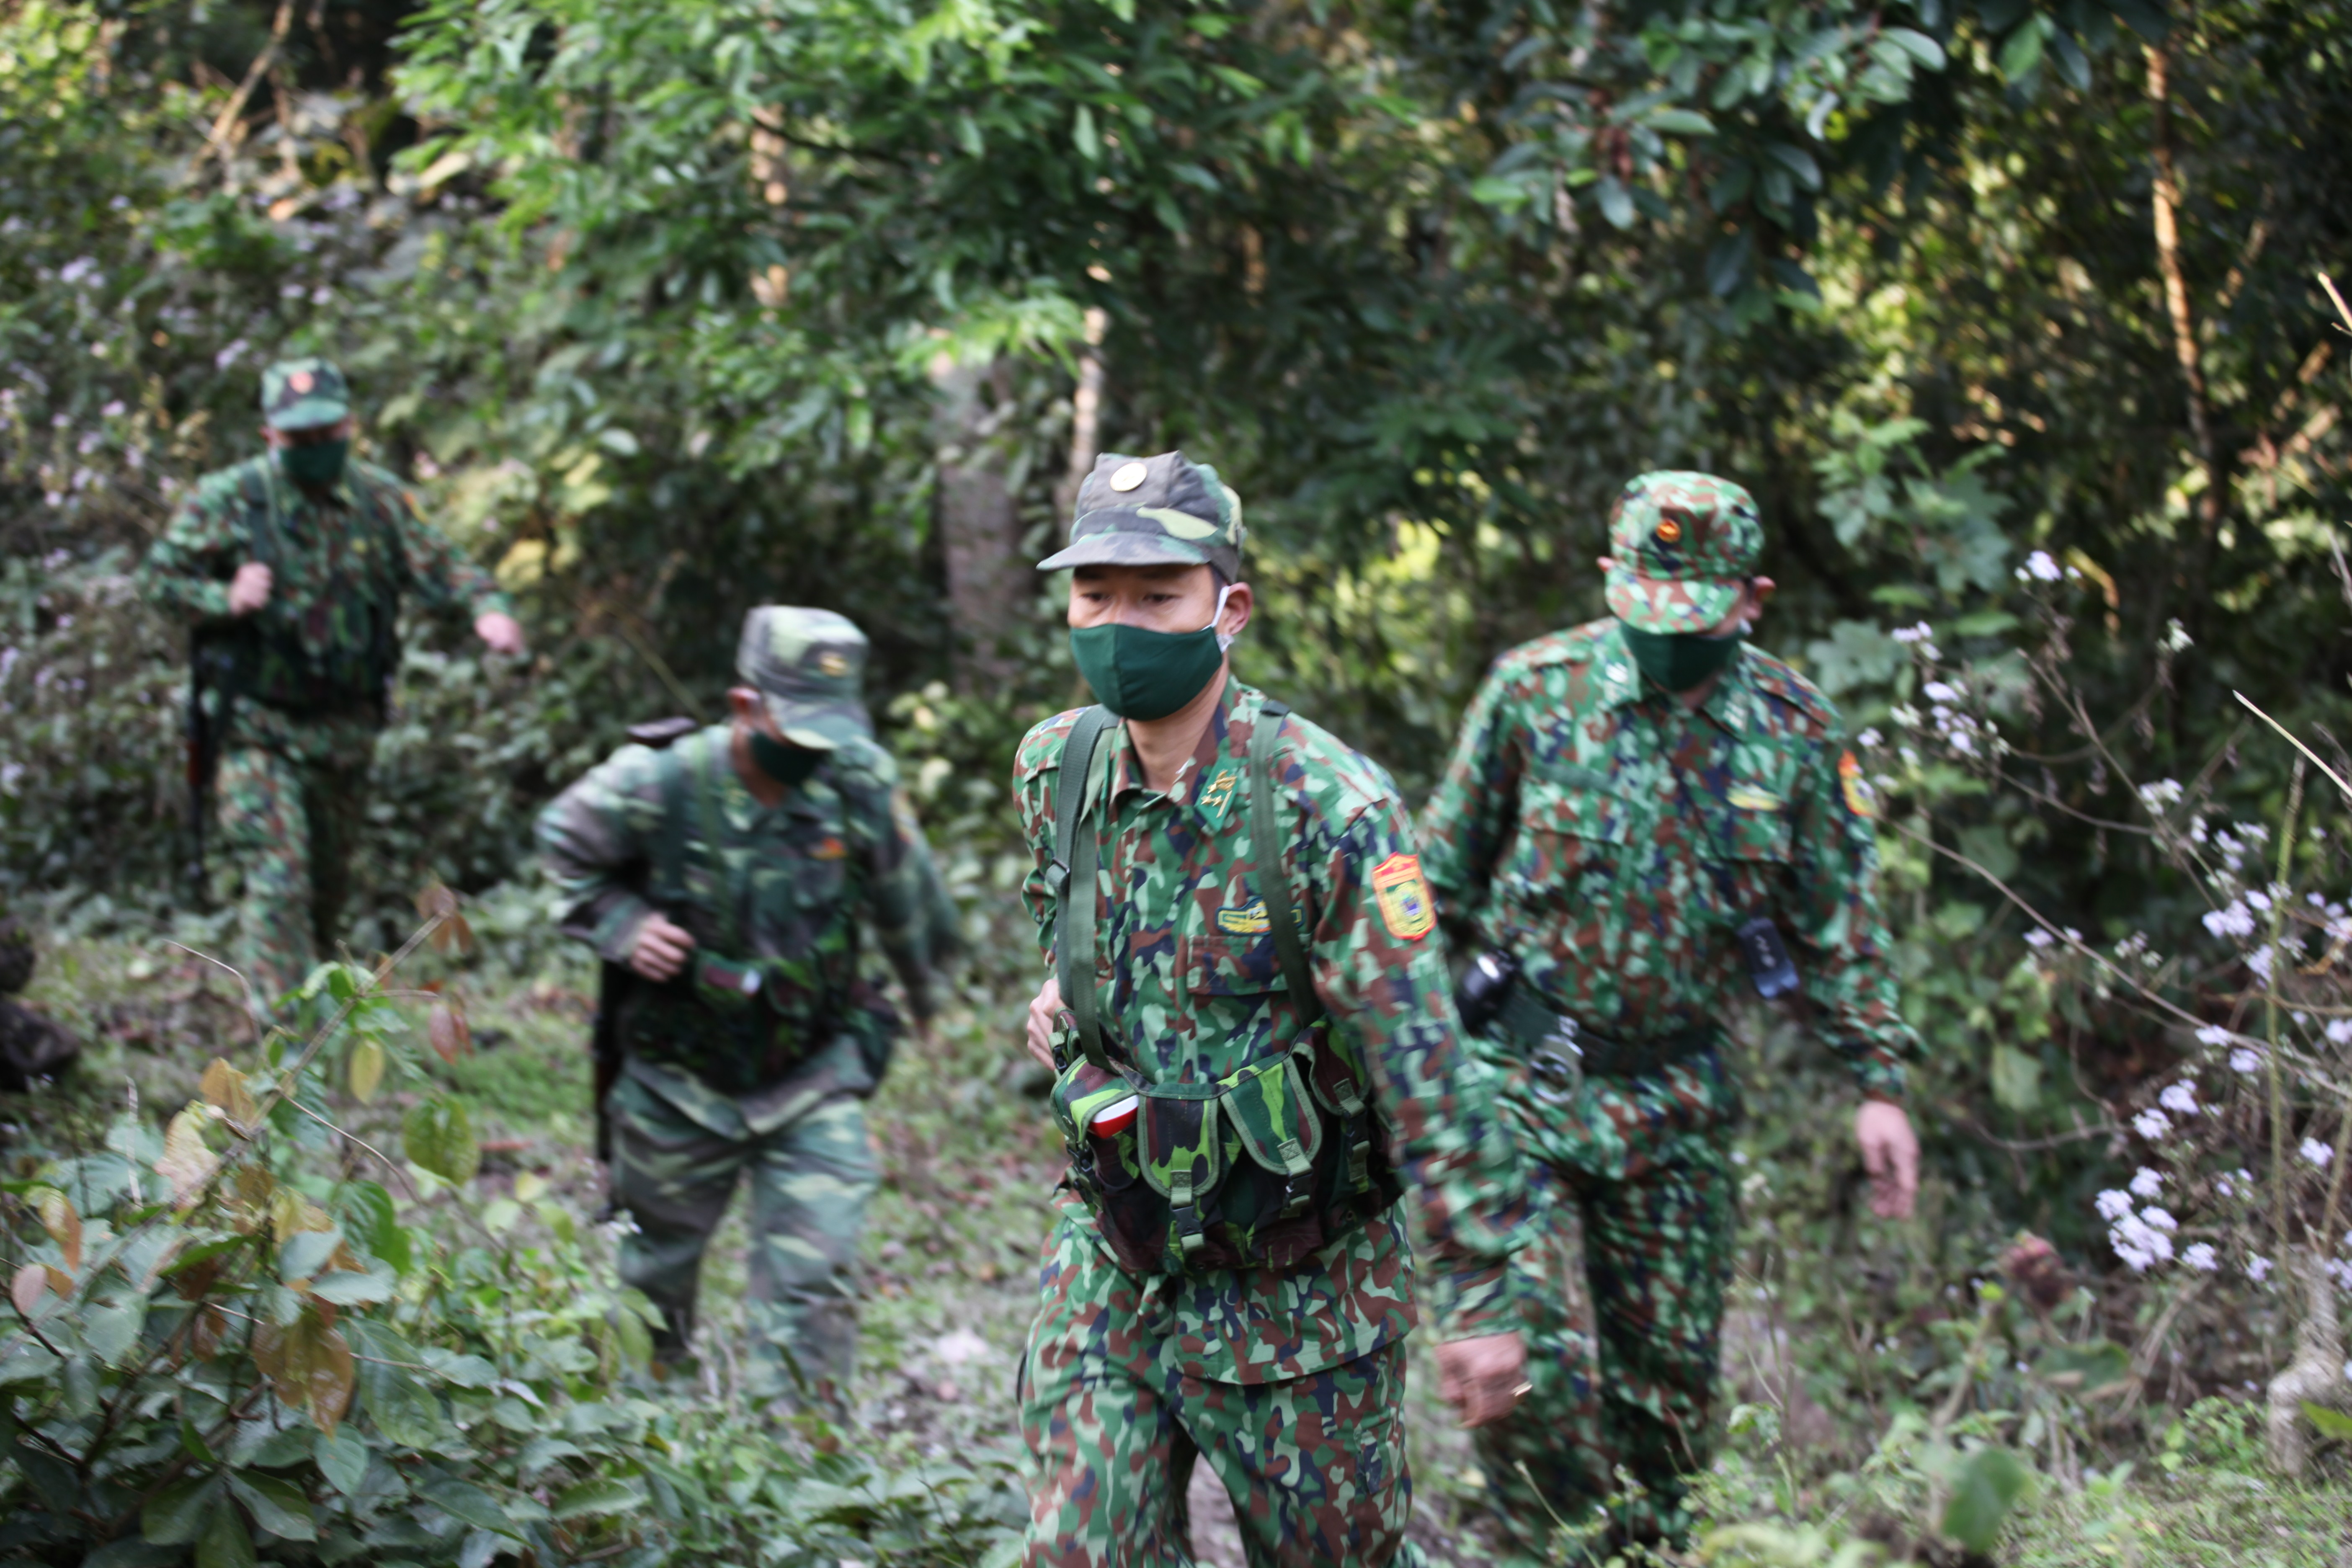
1274 879
723 891
1076 856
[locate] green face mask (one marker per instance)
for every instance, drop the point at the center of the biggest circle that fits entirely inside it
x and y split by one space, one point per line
788 765
320 464
1680 660
1140 674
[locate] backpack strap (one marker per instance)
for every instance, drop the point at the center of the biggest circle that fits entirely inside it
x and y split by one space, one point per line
1076 856
1274 880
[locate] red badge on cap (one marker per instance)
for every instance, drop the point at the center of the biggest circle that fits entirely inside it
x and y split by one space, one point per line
300 381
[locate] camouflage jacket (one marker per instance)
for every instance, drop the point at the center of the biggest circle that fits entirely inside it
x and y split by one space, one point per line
1615 841
801 874
322 645
1189 986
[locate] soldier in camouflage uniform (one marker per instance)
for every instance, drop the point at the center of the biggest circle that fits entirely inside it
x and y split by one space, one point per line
1641 816
729 873
291 568
1287 1374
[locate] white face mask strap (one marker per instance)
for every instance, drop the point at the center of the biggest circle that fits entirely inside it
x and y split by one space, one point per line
1224 639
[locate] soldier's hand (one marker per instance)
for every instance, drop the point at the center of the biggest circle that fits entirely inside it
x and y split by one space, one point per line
1041 1008
1890 1152
661 949
249 589
503 633
1482 1378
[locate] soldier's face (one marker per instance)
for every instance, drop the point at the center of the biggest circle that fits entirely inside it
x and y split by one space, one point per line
1154 598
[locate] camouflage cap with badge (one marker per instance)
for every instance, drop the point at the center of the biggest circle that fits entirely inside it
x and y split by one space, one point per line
1682 546
303 393
1164 511
809 667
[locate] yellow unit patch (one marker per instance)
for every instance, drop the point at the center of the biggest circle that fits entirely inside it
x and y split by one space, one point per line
829 849
1220 791
1403 895
1247 920
1748 797
1860 798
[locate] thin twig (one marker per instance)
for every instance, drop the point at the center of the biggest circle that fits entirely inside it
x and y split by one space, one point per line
217 138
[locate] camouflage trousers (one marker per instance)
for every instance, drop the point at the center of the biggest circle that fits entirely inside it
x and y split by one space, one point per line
286 830
811 1176
1645 1173
1315 1465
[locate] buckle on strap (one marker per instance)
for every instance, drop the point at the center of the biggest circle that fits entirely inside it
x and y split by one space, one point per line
1057 880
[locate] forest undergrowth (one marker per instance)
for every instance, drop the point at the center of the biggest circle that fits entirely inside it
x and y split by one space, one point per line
1849 1439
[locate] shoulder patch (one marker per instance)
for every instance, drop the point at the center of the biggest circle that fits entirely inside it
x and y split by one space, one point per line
1040 748
1860 798
1403 897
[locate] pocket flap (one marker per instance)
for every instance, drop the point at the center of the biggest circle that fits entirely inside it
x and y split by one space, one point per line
1083 1092
1269 1108
1176 1136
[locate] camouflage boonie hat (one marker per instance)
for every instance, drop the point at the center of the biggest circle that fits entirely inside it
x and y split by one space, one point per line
1166 510
1684 546
299 393
808 666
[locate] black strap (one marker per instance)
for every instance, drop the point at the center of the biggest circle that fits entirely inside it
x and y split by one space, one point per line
1071 879
1274 880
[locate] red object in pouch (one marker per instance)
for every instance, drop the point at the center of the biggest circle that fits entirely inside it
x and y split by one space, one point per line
1113 1119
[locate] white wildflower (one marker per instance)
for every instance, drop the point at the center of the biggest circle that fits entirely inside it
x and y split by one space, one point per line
2179 1098
2213 1035
2158 1219
2201 1257
2234 920
2146 1183
1938 691
2258 1268
2041 568
1868 739
2112 1204
2246 1059
2315 1151
229 355
2338 1031
2161 795
2152 1124
2039 938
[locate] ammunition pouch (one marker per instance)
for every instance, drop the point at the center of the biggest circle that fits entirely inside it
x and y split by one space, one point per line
1259 1169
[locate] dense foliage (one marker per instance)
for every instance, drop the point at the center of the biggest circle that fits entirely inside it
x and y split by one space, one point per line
2007 312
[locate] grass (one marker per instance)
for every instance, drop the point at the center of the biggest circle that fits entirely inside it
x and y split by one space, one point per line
969 1161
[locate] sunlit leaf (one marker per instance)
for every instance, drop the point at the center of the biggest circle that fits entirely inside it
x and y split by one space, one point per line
365 1070
228 1092
187 1163
597 1497
2325 1422
64 1225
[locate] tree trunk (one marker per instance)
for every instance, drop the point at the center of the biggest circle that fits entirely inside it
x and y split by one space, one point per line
988 589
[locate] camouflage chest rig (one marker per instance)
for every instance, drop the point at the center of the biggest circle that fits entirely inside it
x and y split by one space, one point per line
736 1021
1260 1168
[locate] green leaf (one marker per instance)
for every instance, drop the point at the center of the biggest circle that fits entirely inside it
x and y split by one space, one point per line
1083 136
401 1407
1616 203
2099 1367
1679 122
307 1252
1985 1486
279 1505
438 1135
225 1543
2016 1078
370 1217
342 1458
2325 1422
176 1515
1918 45
345 1288
467 1502
598 1497
2022 52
